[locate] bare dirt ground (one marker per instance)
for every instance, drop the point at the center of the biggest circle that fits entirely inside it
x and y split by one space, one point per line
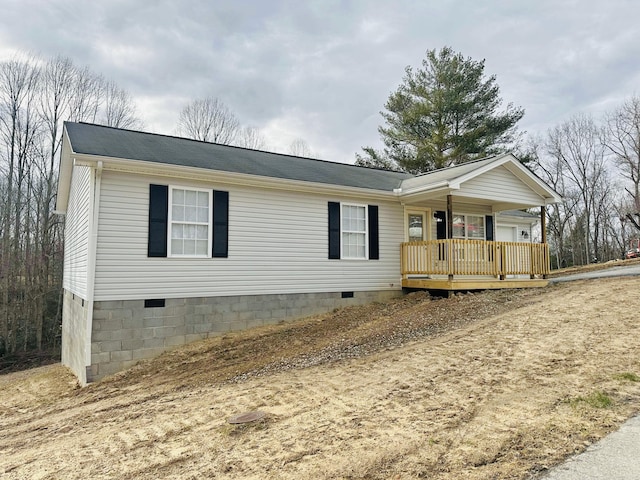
479 386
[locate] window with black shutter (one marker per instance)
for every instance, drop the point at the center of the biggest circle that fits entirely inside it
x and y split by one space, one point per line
353 231
188 222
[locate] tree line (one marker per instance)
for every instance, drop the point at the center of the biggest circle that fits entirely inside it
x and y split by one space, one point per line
595 164
36 96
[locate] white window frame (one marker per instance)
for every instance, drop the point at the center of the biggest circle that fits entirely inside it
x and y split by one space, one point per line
343 231
466 223
170 222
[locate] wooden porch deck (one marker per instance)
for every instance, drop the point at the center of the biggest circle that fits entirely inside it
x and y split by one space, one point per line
456 264
454 284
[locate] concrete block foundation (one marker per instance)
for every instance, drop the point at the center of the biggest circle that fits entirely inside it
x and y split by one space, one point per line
124 332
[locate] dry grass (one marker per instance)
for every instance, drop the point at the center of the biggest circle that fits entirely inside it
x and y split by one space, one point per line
478 386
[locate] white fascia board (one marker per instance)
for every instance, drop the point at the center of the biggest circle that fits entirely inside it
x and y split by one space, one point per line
219 176
64 175
417 190
420 183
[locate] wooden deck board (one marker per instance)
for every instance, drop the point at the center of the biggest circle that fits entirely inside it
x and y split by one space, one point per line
472 284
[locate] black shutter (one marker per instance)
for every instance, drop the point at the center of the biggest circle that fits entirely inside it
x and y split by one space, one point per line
158 211
220 224
488 228
334 230
374 243
441 224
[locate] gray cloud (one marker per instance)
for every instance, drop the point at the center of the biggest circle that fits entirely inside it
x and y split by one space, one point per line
322 70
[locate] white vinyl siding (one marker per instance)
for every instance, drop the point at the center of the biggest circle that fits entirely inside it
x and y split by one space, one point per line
500 185
76 233
524 233
278 243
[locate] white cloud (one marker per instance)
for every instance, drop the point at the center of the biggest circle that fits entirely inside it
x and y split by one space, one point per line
322 70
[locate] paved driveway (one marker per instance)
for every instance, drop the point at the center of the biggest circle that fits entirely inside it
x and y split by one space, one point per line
609 272
615 457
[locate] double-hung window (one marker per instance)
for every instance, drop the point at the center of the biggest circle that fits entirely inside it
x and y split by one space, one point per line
468 226
189 222
354 231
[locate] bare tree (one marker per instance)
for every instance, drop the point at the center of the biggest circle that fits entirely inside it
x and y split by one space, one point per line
300 148
250 137
576 145
623 141
18 126
86 97
58 97
560 217
119 109
35 98
208 120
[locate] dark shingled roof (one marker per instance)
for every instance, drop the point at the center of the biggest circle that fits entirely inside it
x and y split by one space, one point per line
104 141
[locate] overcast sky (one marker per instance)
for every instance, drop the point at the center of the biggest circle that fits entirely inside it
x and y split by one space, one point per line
322 70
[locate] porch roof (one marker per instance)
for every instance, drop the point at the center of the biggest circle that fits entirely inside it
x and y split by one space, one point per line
502 182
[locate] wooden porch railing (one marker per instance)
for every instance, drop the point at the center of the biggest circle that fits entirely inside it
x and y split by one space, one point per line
474 257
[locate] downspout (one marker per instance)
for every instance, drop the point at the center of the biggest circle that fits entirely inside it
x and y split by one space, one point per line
91 268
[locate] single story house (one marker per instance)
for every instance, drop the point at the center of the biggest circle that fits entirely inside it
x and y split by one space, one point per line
169 240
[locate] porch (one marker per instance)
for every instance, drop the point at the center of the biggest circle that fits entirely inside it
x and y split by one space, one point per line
461 264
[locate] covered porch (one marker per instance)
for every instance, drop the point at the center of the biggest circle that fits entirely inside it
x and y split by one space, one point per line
456 235
456 264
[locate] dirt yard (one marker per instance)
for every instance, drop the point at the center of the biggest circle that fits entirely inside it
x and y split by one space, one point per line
478 386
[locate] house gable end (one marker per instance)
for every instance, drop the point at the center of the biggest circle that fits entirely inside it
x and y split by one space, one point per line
501 181
500 185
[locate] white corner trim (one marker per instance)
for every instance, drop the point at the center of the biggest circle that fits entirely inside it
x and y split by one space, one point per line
91 256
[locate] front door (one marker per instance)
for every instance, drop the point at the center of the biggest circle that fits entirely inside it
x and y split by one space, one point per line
416 225
507 234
